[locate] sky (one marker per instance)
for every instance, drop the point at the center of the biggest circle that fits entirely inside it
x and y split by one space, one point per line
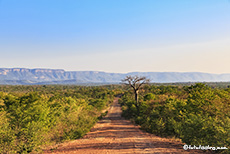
116 35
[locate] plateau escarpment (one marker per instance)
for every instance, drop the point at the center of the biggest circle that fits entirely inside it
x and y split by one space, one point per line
60 76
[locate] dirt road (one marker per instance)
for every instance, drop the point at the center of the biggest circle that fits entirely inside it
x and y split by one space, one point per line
113 134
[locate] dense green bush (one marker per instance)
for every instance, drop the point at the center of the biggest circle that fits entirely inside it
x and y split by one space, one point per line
149 96
41 115
198 114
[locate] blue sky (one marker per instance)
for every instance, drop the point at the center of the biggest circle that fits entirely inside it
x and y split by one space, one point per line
116 36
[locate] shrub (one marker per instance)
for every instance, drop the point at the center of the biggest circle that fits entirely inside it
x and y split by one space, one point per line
200 116
52 114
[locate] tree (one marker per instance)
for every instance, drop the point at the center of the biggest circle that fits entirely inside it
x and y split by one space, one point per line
136 83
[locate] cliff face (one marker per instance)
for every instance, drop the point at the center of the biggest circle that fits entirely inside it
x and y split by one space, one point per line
59 76
12 75
30 74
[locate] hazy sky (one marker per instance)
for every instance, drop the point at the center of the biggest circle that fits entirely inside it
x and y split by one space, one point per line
116 35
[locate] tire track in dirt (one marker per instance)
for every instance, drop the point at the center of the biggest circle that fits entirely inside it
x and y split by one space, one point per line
113 134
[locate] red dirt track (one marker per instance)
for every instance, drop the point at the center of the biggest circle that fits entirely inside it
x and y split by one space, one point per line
114 135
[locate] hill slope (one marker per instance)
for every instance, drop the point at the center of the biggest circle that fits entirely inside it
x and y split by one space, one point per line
58 76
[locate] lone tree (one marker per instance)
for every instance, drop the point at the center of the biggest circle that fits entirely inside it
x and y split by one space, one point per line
136 83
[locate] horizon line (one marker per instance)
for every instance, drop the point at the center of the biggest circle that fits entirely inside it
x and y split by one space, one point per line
111 72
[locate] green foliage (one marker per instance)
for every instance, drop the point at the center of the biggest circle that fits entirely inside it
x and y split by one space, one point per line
198 114
7 136
42 115
149 96
99 104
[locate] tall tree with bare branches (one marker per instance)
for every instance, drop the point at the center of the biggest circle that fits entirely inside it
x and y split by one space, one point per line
135 82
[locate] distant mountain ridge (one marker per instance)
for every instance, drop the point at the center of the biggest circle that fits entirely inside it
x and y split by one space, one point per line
21 76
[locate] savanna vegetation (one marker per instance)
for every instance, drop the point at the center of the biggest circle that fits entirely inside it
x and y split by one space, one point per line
34 116
198 114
